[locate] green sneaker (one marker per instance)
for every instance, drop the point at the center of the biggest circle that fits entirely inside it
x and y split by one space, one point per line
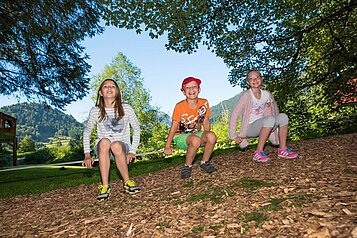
104 192
130 187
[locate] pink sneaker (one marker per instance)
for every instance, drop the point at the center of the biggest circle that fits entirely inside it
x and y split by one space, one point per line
288 153
260 156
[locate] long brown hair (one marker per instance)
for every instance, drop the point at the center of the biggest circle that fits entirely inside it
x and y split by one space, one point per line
118 107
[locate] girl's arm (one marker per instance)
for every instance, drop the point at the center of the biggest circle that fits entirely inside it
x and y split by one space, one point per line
88 161
134 122
88 130
233 119
273 104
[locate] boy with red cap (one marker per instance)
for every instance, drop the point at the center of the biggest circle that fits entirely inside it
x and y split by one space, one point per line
188 118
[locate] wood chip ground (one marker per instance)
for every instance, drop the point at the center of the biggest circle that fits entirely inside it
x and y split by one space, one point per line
314 196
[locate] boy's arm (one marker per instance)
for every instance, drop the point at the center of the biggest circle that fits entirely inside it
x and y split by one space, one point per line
206 124
173 128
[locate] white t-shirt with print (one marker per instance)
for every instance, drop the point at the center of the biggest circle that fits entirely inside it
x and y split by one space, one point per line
258 105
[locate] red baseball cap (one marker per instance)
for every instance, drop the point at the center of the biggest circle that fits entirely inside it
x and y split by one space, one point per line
188 80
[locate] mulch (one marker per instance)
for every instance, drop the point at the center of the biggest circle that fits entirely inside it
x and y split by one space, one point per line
313 196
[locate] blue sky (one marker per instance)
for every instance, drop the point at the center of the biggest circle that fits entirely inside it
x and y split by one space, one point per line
161 70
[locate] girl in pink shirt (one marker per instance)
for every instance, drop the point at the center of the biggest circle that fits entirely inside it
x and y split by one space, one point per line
260 117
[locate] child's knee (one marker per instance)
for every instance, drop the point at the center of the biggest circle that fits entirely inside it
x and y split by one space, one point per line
104 143
282 119
117 147
211 137
269 122
194 141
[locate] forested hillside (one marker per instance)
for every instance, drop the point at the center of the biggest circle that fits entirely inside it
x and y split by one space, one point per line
41 122
216 110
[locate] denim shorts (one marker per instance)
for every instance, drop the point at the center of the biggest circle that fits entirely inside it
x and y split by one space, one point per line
111 155
180 140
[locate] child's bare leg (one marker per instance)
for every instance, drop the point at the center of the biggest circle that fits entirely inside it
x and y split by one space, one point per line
118 149
283 134
104 162
208 140
193 143
263 136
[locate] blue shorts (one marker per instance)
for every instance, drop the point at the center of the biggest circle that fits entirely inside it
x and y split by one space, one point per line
111 155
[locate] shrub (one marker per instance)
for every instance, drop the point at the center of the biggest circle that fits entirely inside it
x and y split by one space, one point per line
40 156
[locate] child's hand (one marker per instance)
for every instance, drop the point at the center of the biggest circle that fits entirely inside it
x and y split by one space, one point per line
238 140
88 161
130 157
168 151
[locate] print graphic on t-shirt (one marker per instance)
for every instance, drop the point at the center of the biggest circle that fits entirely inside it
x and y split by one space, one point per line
192 123
257 108
112 124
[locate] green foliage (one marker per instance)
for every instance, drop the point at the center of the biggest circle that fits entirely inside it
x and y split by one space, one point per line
220 128
27 144
60 150
42 122
313 117
157 140
218 111
41 156
71 152
297 44
40 53
5 156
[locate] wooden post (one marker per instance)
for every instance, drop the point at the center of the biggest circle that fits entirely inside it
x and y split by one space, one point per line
8 133
14 152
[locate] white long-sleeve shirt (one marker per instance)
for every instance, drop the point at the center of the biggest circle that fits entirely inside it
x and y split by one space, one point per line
113 129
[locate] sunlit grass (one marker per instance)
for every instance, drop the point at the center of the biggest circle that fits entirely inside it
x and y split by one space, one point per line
42 179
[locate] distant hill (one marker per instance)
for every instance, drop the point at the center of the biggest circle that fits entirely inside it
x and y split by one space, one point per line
42 122
216 111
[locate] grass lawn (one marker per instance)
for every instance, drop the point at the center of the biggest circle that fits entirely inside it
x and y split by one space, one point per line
46 178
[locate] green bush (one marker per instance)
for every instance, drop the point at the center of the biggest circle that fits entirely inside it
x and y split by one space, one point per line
41 156
5 156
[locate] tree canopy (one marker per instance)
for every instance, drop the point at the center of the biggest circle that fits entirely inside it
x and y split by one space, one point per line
40 54
297 44
27 144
